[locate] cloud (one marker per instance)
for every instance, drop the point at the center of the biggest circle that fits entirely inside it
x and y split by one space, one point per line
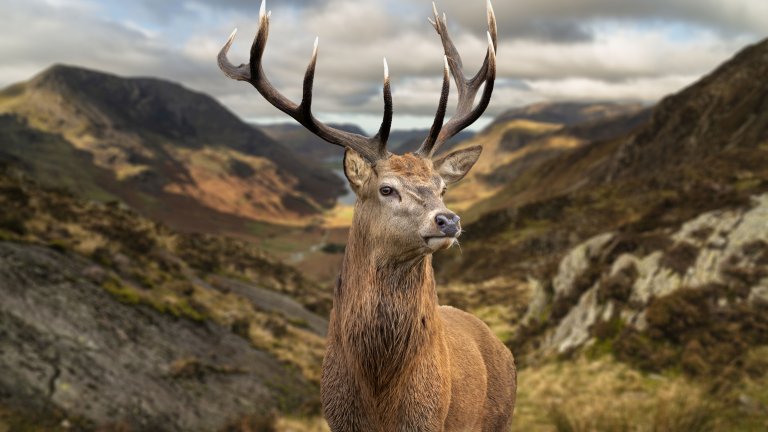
553 50
40 34
165 10
616 55
514 16
584 89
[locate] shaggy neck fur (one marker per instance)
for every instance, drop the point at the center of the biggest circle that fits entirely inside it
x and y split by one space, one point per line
387 312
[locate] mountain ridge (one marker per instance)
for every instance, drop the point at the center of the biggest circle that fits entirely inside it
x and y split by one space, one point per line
567 113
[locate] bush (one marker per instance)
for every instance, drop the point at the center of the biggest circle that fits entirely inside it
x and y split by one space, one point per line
688 329
14 224
333 248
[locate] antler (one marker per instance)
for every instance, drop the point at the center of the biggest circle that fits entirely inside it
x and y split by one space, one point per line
372 148
465 114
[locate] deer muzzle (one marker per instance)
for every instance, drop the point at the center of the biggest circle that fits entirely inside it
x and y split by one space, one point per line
448 224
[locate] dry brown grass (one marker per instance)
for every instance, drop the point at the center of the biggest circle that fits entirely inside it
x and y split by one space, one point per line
604 395
339 216
296 424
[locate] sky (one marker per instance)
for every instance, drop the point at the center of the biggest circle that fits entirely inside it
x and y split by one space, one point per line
548 50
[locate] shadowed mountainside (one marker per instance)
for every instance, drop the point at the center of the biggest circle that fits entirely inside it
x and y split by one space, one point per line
154 145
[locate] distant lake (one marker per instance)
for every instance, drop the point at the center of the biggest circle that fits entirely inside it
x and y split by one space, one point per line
349 196
334 164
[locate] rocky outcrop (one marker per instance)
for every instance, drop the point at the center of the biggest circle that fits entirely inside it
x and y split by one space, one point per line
725 252
67 344
271 301
577 264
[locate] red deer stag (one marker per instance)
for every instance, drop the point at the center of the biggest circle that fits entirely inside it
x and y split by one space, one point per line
396 360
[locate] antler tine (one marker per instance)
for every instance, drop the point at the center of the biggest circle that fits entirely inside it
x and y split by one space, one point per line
466 112
386 124
426 147
373 148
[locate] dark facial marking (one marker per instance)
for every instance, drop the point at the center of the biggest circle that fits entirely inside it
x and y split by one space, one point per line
424 191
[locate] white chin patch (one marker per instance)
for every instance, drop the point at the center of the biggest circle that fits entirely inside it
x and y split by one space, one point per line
437 243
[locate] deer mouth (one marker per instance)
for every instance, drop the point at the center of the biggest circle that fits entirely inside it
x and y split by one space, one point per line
439 242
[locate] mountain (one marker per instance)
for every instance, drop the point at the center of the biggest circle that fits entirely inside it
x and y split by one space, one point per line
639 254
157 146
109 321
725 111
525 137
305 143
567 113
404 141
650 246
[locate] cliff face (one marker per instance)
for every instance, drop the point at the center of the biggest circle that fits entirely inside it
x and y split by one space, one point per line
696 297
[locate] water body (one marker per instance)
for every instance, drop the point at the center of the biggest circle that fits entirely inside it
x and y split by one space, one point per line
336 166
349 197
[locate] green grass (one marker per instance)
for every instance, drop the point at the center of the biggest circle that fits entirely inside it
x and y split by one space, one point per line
122 293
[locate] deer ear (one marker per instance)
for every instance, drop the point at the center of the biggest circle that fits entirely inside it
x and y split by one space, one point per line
455 165
357 169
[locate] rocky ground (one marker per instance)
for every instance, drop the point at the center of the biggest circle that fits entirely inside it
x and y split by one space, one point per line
69 346
110 321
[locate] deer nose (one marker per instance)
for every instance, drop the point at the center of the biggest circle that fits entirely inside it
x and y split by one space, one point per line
448 224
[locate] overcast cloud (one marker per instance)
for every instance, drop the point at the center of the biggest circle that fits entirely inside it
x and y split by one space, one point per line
548 49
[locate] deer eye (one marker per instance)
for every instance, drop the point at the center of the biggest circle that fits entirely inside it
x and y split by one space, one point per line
386 190
442 192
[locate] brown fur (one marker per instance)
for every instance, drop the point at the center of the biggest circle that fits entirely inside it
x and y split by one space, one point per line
395 360
409 166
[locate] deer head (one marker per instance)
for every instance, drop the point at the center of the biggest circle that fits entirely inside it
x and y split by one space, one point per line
399 197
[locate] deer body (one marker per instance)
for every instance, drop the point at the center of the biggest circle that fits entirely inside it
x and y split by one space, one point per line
395 360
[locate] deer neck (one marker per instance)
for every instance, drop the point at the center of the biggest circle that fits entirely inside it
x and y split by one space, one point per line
385 310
